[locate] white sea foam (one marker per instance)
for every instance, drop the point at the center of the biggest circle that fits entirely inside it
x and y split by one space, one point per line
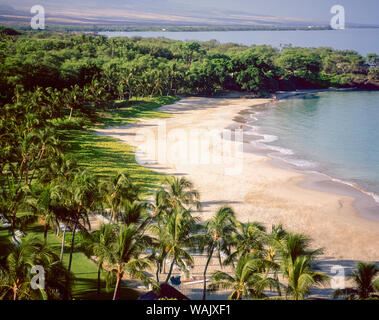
281 150
375 196
267 138
301 163
251 127
356 187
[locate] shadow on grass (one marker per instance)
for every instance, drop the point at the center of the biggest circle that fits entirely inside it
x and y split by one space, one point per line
127 111
105 157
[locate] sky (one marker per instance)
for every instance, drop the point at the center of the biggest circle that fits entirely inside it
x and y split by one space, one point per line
357 11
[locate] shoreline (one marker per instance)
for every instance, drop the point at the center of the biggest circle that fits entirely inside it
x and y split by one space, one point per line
263 192
365 202
283 95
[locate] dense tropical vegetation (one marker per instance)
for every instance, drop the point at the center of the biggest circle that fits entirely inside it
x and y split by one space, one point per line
55 87
96 70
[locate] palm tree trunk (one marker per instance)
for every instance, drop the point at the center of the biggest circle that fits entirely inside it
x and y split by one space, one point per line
70 113
26 174
45 229
13 223
158 271
99 277
117 287
35 167
205 273
72 247
21 170
278 284
15 292
169 273
13 227
63 242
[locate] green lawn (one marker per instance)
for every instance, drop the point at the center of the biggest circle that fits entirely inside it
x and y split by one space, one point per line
106 156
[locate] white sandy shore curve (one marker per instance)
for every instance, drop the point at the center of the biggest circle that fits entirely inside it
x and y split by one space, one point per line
260 192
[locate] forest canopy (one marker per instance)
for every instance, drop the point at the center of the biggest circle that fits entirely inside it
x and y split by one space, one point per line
132 67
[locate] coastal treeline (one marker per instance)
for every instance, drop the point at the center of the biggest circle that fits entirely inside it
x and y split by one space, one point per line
124 68
52 83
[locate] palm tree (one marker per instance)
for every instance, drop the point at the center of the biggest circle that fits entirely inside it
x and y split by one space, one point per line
300 276
270 251
62 215
44 206
13 199
366 283
175 231
250 237
295 245
26 149
79 194
297 263
218 236
124 256
62 169
72 98
119 189
135 212
248 279
15 273
99 244
47 145
160 245
180 192
179 227
160 204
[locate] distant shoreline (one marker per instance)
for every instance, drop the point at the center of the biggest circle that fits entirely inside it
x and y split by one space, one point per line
25 26
204 29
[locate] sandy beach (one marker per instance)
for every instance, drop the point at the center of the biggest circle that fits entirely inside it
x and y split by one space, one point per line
256 189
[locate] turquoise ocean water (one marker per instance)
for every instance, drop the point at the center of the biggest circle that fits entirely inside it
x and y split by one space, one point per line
336 133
